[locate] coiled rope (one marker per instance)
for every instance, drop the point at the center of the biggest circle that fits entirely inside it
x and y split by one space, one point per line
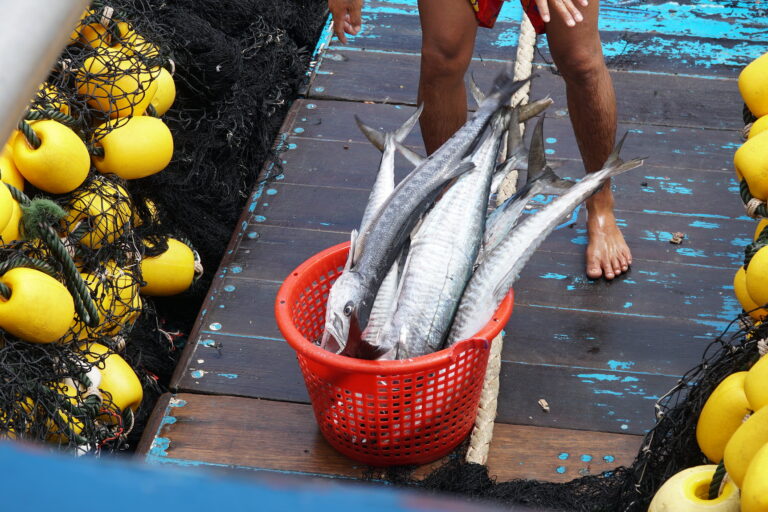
482 432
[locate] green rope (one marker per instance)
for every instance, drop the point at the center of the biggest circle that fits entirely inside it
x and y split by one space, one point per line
5 291
717 479
96 151
38 217
747 196
30 134
55 115
152 111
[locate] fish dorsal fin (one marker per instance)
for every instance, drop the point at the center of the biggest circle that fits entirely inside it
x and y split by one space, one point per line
354 248
537 160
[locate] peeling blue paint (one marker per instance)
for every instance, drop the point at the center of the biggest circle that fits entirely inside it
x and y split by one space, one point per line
609 458
627 305
552 275
235 269
271 191
228 375
253 235
215 326
160 447
563 456
207 342
620 365
229 288
197 374
560 469
705 225
259 218
586 458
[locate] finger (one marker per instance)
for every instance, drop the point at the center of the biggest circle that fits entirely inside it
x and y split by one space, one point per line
543 10
564 12
355 16
338 25
575 12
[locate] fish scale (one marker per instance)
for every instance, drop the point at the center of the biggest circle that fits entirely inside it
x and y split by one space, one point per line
441 258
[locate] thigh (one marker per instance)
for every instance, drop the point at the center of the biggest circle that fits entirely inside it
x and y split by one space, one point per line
574 45
448 28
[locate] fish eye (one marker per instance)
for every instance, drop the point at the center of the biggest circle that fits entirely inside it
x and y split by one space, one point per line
348 309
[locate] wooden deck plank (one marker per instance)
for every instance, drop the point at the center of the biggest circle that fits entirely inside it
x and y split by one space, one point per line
580 398
674 147
644 98
245 434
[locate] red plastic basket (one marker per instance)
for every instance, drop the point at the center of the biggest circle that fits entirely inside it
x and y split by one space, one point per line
382 413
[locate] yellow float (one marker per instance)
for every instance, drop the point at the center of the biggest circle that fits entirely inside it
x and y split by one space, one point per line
168 273
165 94
688 490
742 295
758 126
105 206
39 310
721 416
751 163
140 147
114 293
131 42
59 165
8 172
744 443
756 385
757 277
94 35
754 87
120 384
754 493
6 207
49 97
759 228
116 83
151 209
12 231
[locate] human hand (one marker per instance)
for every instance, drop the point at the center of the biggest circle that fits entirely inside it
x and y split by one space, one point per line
566 8
346 17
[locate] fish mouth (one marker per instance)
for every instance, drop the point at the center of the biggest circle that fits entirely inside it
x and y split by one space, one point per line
331 339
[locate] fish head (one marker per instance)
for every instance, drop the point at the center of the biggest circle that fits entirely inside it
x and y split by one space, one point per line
341 314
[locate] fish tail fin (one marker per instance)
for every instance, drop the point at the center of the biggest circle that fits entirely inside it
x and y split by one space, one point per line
376 137
505 85
379 138
477 94
405 129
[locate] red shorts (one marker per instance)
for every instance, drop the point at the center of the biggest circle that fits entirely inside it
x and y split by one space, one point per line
486 12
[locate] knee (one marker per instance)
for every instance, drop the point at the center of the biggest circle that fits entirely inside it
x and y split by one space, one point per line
444 61
581 67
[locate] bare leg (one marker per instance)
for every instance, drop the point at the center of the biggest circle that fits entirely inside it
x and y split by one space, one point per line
448 37
577 52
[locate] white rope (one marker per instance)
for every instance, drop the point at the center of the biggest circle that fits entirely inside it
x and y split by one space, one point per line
752 206
482 433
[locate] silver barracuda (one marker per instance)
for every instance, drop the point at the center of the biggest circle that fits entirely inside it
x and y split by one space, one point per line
495 276
351 297
380 192
540 180
441 258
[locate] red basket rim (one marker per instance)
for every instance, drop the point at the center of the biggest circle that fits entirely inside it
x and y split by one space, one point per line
308 349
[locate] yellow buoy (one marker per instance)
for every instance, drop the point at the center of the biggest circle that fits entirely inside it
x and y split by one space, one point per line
757 277
754 87
754 492
742 295
59 165
165 94
131 42
12 231
116 83
758 126
49 97
8 172
75 35
105 207
151 209
114 292
759 229
6 207
119 382
744 443
751 163
94 35
39 310
135 149
756 384
168 273
688 490
721 416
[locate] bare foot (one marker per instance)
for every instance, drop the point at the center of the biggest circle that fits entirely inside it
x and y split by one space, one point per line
607 253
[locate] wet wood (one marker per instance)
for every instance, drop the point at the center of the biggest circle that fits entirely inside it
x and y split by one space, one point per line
246 434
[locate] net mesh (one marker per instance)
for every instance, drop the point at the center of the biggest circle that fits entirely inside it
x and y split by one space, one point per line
236 66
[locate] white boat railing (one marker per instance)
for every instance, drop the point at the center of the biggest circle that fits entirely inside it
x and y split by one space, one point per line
32 36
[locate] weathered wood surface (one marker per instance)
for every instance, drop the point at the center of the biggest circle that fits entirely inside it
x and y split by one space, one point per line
246 434
600 353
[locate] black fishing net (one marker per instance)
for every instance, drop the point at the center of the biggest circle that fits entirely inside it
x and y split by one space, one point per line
667 449
101 237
